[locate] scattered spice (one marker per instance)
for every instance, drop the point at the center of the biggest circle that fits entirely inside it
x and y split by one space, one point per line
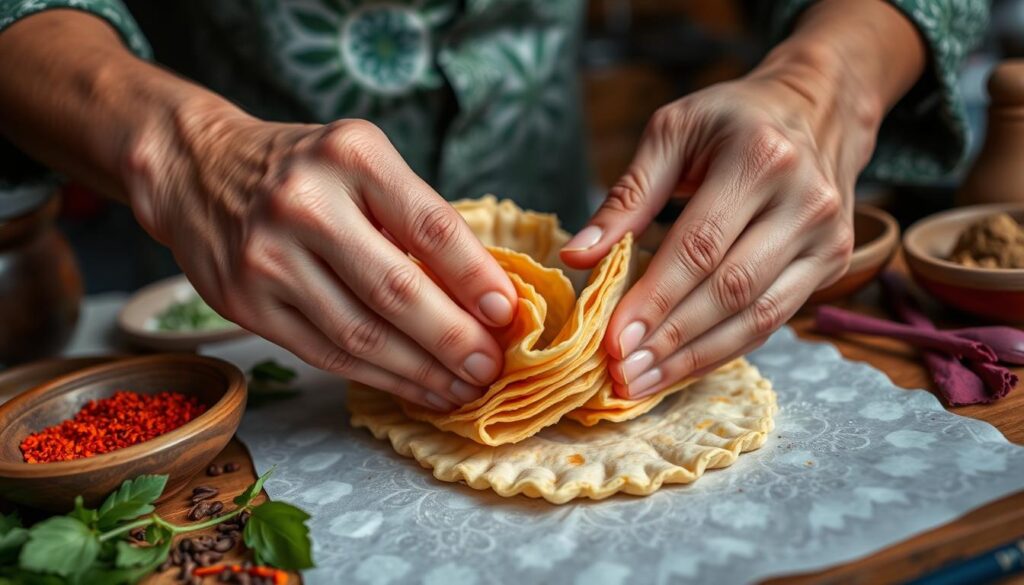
101 426
275 576
996 241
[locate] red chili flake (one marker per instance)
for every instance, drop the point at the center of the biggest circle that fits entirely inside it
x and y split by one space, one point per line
101 426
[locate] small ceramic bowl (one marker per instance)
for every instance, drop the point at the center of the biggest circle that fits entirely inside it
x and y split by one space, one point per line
994 293
876 236
137 320
180 453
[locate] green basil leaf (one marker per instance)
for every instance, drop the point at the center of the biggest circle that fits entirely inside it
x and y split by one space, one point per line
245 498
9 522
60 545
129 555
10 544
278 535
271 370
16 576
134 498
86 516
155 534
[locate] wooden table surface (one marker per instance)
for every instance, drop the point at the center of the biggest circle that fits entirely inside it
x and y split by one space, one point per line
979 530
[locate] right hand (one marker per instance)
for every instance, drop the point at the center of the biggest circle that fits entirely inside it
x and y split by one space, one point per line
300 233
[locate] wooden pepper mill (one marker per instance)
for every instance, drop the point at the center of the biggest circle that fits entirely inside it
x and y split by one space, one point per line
998 174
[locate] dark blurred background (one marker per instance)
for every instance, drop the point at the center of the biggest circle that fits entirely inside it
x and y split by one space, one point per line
638 55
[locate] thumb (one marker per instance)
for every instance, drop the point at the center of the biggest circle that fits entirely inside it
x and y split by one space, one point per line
631 204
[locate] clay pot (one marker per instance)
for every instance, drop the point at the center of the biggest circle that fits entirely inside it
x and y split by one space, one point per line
998 174
40 285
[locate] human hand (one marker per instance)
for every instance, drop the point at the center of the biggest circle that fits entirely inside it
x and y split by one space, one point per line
300 233
769 181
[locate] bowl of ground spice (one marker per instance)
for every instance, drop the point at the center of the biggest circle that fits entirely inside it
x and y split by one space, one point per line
972 259
87 431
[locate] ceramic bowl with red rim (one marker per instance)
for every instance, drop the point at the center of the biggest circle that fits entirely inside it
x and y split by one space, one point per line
996 294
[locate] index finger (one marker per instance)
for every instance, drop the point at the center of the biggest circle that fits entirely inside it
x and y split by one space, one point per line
433 231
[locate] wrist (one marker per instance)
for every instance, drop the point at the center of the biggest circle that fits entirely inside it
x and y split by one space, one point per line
161 155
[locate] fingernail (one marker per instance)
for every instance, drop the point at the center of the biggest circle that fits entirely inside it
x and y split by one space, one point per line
586 239
637 363
438 402
631 336
481 368
645 382
496 308
465 392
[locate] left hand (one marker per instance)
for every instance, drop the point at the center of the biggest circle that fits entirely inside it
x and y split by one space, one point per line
769 177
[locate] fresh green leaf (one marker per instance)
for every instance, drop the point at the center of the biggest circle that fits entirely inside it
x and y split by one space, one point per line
86 516
107 575
60 545
16 576
245 498
156 534
277 533
130 555
271 370
10 544
134 498
9 522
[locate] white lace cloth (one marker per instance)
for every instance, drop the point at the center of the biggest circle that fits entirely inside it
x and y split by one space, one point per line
855 464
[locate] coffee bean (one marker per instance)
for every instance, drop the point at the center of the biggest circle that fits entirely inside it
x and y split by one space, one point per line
176 557
215 508
214 470
199 511
244 579
231 467
224 544
186 569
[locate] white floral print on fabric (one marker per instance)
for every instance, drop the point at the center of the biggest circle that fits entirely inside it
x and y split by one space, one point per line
836 480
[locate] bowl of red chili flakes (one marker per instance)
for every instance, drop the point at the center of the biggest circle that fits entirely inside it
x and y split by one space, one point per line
85 432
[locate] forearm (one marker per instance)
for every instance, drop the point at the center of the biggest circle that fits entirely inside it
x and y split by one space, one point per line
76 99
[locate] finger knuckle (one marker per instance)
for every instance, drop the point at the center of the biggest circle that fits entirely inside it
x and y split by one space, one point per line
261 259
295 199
766 315
699 248
434 228
734 287
627 195
452 336
822 203
397 292
665 122
688 360
661 299
843 244
362 337
423 373
352 144
768 153
673 334
337 361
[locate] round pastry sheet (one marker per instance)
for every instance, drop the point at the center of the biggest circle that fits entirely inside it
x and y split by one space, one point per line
704 426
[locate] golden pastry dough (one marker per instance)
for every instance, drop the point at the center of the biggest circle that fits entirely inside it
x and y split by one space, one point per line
718 417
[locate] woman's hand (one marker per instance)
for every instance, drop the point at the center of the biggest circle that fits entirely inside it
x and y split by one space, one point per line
300 234
767 164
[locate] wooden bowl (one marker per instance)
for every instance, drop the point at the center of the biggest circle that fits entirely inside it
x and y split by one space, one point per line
994 293
876 236
16 380
180 453
135 321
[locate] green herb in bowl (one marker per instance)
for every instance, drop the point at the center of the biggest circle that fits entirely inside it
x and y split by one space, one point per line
190 315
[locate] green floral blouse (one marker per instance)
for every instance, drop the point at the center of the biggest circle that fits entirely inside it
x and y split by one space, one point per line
481 95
